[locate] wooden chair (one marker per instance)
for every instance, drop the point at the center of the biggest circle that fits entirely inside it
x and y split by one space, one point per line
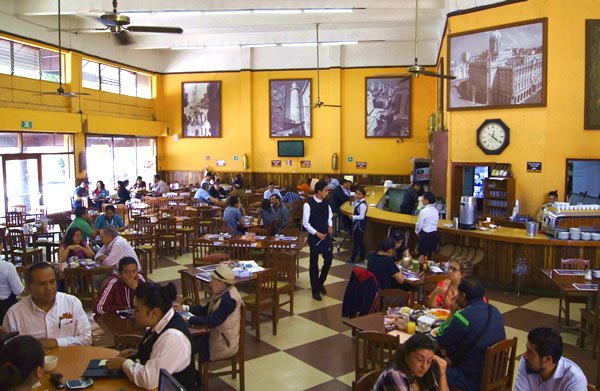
259 231
373 350
200 249
15 219
285 264
22 272
499 366
237 360
367 381
18 248
265 297
137 221
566 299
189 231
79 282
127 341
167 236
386 298
147 242
19 208
590 326
190 288
239 250
145 258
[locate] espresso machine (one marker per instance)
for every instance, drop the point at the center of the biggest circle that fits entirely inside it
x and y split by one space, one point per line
468 213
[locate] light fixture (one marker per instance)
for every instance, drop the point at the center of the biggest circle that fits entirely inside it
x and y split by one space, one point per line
259 45
328 10
277 11
299 44
333 43
228 12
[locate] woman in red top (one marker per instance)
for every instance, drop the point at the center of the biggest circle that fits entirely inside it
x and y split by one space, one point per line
444 294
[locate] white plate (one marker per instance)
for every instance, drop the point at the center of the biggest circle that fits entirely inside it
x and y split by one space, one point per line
448 225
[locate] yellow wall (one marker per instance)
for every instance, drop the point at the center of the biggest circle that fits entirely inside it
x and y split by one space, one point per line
545 134
245 124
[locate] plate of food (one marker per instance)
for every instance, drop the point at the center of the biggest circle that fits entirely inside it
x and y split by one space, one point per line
434 332
440 313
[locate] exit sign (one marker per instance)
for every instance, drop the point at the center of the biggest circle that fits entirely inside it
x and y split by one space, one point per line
26 125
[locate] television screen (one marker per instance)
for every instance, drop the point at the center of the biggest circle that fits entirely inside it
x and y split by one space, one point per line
290 148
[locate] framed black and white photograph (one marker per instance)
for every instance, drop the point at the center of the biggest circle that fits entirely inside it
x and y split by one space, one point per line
387 104
498 67
201 103
290 108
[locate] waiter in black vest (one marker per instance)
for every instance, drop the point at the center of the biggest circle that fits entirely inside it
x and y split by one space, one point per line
317 219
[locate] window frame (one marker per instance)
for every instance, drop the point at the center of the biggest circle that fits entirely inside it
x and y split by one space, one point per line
140 88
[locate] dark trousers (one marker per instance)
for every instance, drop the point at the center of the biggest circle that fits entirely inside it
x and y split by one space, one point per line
428 243
6 304
316 280
358 245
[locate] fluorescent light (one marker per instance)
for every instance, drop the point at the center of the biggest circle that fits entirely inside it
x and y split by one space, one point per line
327 10
299 44
277 11
228 12
186 47
339 43
259 45
222 46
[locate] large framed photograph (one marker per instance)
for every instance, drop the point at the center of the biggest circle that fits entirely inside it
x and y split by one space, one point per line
290 108
201 103
387 103
592 75
499 67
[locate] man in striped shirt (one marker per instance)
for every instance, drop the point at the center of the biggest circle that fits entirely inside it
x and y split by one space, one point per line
118 290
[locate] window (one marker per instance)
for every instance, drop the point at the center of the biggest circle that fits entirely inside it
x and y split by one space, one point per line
47 142
112 159
109 78
24 60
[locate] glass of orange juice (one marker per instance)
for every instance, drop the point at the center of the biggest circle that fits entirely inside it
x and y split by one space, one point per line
411 327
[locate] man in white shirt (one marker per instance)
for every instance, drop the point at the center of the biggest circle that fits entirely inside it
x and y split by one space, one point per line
114 248
317 219
55 318
10 286
426 226
270 191
159 187
166 344
542 367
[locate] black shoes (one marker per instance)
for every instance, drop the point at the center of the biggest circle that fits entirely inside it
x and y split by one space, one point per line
317 296
323 290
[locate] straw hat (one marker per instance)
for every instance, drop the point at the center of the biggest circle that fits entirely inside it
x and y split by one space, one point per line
223 273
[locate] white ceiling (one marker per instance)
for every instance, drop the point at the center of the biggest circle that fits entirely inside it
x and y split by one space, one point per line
385 30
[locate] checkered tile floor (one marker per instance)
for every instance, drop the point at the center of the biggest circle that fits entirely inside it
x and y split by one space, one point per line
313 348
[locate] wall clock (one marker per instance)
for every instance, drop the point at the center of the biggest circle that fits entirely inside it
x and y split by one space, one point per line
493 136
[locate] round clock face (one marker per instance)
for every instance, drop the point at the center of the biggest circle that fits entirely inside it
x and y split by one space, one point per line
493 137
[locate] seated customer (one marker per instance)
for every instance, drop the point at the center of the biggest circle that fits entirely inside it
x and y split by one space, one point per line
221 315
202 194
84 222
216 191
267 214
233 217
21 363
166 344
468 334
382 265
412 366
123 192
119 290
73 245
444 294
109 217
401 250
55 318
270 191
542 367
114 247
282 213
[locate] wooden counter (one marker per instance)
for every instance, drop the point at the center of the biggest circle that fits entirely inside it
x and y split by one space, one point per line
501 245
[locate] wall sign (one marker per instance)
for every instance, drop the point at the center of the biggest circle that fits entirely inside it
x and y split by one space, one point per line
26 125
275 163
534 166
350 159
361 164
236 158
207 157
220 163
305 163
288 162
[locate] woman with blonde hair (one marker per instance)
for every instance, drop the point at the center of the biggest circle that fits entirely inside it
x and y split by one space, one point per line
444 294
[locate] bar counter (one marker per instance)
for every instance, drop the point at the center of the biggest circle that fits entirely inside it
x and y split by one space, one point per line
502 245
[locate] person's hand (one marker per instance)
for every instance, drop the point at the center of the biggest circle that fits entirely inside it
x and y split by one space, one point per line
49 343
115 363
441 363
321 236
330 230
177 307
100 258
127 353
130 282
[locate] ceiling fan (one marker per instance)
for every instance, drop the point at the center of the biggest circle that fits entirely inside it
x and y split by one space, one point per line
417 69
118 25
319 103
60 91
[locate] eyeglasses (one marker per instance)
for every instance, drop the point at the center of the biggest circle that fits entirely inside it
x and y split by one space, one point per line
454 269
422 359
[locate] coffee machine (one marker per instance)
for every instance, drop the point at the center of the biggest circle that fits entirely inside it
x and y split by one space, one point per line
468 213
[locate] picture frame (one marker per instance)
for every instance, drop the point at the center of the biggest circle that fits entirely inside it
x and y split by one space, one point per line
387 107
503 66
201 109
592 80
290 108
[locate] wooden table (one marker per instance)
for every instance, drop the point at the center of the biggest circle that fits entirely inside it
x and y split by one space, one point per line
297 244
564 283
192 271
72 362
370 322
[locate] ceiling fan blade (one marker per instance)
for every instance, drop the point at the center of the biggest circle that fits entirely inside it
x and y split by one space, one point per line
339 106
123 37
155 29
105 21
429 73
395 75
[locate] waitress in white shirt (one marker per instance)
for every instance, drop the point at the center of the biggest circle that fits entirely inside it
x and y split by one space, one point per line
426 226
10 286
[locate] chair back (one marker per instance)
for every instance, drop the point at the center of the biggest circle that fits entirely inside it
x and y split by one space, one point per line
239 249
285 263
127 341
145 257
499 366
200 249
218 226
391 298
137 221
259 231
79 282
19 208
575 264
166 225
190 288
16 239
205 212
15 219
367 381
266 285
373 350
22 273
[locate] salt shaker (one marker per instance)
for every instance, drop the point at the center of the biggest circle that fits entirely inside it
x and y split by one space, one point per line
588 274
